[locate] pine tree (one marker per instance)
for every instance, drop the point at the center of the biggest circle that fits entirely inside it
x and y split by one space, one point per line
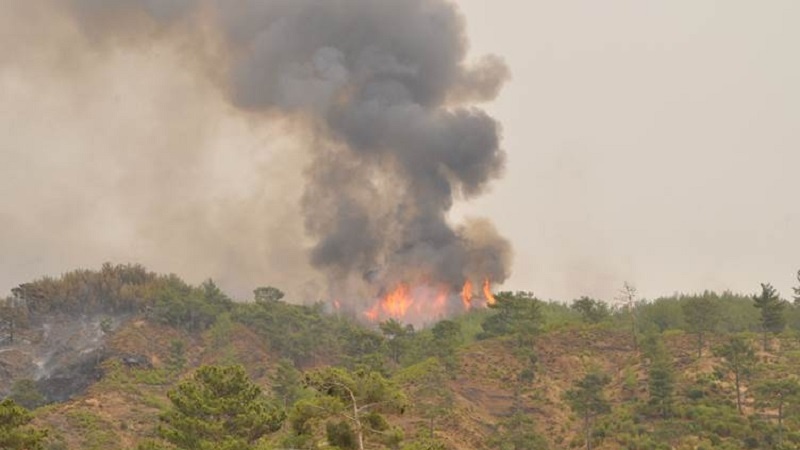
772 307
218 408
739 359
447 337
661 376
516 314
287 382
702 316
777 394
589 401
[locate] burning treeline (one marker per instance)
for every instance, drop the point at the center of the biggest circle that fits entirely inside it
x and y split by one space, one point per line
384 89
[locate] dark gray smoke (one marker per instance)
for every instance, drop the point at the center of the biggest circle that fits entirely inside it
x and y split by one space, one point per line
384 90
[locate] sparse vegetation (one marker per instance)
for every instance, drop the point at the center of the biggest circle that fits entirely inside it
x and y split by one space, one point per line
504 377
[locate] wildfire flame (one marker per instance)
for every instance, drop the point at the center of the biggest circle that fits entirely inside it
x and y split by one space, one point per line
403 302
466 295
487 292
425 302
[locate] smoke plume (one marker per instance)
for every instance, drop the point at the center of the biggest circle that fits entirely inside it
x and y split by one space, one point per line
381 94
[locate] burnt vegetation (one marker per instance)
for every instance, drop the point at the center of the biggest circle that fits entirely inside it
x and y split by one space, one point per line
712 370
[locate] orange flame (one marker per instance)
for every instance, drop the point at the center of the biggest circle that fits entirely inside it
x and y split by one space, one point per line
487 292
394 305
441 301
419 304
424 301
466 295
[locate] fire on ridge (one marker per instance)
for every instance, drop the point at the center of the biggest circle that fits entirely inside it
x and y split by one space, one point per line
426 302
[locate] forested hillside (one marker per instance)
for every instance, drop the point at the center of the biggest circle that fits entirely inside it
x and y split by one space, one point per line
186 367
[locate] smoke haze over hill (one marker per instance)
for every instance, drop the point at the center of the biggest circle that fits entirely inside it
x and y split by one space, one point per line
185 134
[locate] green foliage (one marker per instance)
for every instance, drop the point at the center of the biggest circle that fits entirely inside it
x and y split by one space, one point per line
96 433
517 314
588 399
183 306
361 398
661 377
361 346
424 444
218 408
702 314
592 311
177 355
735 312
123 289
341 435
267 294
431 398
221 331
353 401
772 309
446 339
739 359
287 383
15 434
398 338
119 289
660 315
301 333
150 444
782 395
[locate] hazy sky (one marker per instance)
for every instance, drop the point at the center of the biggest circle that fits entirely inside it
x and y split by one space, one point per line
648 141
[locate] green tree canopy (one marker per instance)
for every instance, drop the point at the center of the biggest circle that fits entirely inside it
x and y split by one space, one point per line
591 310
219 408
267 294
661 377
15 434
779 395
588 400
702 314
739 360
772 308
398 338
350 404
516 314
287 382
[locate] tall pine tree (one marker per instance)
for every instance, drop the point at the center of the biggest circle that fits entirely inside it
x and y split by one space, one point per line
739 359
589 401
771 306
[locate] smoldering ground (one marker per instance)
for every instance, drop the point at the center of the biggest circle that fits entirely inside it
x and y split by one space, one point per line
252 141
